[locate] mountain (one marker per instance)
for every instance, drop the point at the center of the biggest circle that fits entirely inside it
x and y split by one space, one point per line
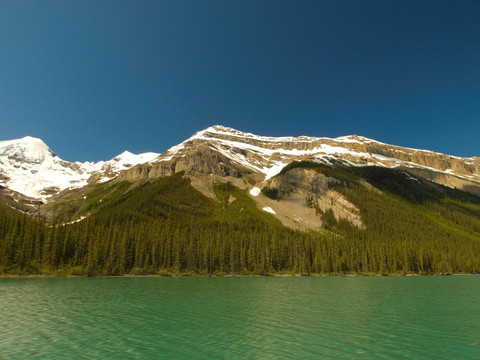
29 167
225 201
224 151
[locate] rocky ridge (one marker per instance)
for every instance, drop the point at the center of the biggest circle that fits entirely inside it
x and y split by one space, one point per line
227 152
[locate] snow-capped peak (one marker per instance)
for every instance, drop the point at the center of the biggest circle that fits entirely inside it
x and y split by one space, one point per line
26 150
28 166
129 158
268 155
121 162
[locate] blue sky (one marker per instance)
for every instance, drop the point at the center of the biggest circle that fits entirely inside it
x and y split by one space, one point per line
94 78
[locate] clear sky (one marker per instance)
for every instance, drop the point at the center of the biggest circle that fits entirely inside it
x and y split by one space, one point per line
94 78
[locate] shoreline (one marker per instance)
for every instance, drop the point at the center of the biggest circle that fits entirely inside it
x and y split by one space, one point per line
54 276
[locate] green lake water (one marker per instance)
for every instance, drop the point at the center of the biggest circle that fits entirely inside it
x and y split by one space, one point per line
237 318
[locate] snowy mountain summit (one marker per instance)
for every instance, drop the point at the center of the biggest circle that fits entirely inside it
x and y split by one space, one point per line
28 166
26 150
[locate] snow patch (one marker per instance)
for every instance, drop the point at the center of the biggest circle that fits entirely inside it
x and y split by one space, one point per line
269 209
104 179
255 191
76 221
273 170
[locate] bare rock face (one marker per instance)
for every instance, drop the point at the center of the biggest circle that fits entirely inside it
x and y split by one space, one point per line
307 182
19 201
447 179
197 161
317 192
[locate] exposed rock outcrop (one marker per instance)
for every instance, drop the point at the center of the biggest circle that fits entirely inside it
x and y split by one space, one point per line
317 193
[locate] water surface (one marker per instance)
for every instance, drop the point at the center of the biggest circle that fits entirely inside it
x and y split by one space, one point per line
255 318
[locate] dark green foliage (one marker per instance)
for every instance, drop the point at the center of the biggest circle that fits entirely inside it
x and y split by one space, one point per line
300 164
95 199
239 207
103 195
271 193
328 219
399 183
21 241
168 227
337 172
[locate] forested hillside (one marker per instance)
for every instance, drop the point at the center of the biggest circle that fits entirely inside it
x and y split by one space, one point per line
168 227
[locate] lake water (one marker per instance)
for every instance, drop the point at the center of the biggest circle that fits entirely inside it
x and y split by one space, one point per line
230 318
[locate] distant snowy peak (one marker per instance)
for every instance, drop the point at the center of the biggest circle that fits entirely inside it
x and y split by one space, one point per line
126 160
26 150
30 167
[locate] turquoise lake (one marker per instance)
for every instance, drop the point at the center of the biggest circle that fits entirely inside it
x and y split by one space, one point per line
237 318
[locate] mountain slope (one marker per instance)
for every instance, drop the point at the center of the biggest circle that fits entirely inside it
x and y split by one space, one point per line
168 227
